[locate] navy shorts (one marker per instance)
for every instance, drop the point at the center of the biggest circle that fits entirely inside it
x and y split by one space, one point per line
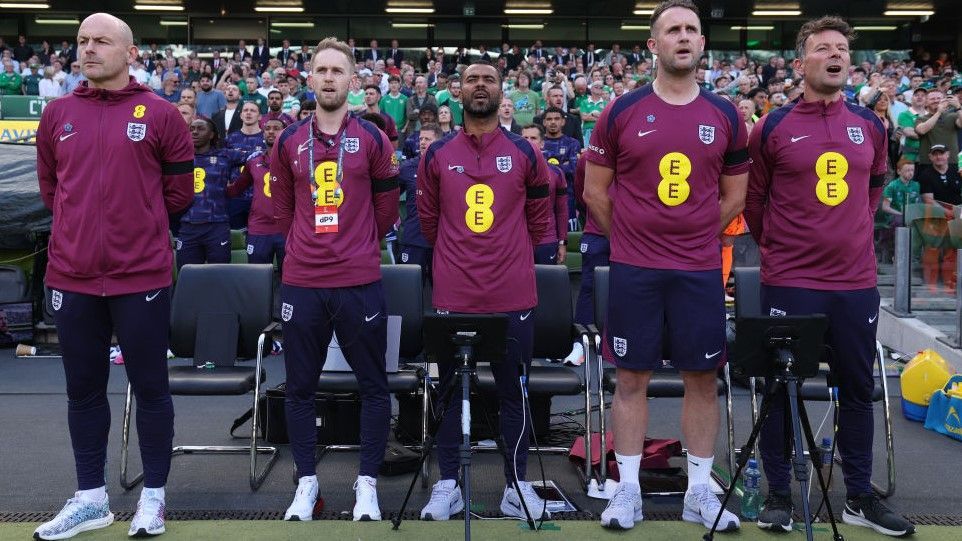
642 302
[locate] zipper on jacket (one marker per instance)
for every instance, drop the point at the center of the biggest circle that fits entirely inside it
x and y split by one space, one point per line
103 255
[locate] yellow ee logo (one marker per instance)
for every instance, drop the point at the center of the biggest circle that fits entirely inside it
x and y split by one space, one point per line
267 184
199 176
479 217
553 161
675 168
831 168
329 192
140 111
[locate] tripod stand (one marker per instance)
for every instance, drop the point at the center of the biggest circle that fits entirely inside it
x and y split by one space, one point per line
787 350
463 338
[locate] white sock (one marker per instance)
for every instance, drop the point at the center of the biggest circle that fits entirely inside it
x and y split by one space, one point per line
699 470
307 479
158 493
629 467
371 480
93 495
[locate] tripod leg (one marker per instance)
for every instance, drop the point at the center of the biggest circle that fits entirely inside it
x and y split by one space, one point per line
466 446
444 401
813 451
798 460
743 455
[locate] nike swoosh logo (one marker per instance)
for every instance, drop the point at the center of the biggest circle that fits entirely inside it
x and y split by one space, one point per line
644 133
67 136
707 356
224 243
524 317
797 139
458 168
371 318
152 297
872 319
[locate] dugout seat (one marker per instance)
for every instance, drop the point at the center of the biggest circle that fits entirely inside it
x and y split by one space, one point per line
220 314
238 246
13 284
748 303
573 257
663 383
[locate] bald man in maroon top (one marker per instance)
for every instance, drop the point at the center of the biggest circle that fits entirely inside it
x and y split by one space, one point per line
675 157
818 169
335 190
483 200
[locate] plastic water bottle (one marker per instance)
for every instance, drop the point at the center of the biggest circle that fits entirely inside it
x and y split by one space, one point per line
751 498
826 465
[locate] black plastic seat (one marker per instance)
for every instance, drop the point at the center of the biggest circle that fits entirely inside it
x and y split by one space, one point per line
220 313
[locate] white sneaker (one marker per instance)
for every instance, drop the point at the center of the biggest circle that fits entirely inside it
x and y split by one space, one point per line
302 508
511 503
445 501
365 499
577 355
702 506
75 517
624 508
149 518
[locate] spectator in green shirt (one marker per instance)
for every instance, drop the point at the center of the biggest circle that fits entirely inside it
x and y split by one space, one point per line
526 101
906 124
31 81
10 80
903 190
394 102
591 109
453 101
252 95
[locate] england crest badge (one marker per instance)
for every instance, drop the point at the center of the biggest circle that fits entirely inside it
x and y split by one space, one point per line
503 163
706 134
855 134
352 144
287 312
56 299
621 346
136 131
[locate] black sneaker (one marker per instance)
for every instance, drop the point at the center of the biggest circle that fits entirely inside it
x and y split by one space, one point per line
867 510
776 513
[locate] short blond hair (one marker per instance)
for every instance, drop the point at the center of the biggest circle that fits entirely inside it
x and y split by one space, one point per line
337 45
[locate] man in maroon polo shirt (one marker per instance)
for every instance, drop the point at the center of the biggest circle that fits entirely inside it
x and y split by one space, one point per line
818 169
114 162
335 190
483 201
676 158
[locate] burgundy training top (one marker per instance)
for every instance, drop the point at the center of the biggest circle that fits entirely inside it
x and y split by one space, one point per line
816 178
366 204
257 173
668 160
481 202
558 214
112 165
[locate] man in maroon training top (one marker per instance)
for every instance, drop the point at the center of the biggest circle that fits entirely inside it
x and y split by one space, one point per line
114 162
335 191
676 158
264 238
552 247
818 168
483 200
